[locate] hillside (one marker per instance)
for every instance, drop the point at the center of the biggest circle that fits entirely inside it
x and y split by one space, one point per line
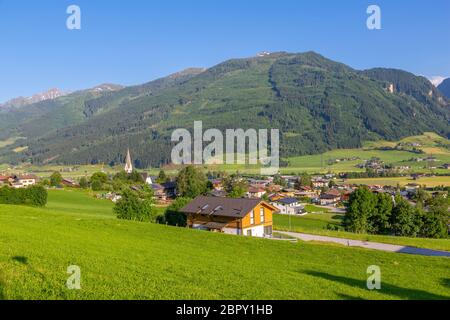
444 87
176 263
318 105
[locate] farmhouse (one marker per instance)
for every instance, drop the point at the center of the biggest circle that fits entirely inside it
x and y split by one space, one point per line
248 217
18 182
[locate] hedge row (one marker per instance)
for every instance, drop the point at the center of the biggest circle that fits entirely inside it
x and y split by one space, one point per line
33 196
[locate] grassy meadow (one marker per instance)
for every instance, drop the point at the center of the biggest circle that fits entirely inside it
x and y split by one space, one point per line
129 260
316 223
431 144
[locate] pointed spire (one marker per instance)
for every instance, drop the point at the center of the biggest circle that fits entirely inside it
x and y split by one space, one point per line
128 163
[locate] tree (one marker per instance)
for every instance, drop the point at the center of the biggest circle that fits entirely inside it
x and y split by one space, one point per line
173 216
433 226
303 181
84 184
56 179
98 180
381 218
131 207
136 177
162 177
332 184
277 179
235 186
405 219
191 182
99 176
361 208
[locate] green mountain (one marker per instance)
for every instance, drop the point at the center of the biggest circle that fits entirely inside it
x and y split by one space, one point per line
318 105
444 87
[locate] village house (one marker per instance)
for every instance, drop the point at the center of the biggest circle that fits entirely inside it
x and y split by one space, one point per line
148 179
274 188
248 217
217 184
307 192
255 192
320 183
218 193
70 183
4 180
18 181
289 206
330 198
165 191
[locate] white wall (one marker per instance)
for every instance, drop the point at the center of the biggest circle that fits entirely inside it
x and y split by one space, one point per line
257 231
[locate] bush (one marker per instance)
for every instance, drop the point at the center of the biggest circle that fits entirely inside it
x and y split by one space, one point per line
96 185
84 184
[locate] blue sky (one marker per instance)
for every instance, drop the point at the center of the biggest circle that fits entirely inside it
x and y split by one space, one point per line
134 41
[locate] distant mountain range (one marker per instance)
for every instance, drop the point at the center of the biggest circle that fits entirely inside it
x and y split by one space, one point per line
318 104
23 101
444 87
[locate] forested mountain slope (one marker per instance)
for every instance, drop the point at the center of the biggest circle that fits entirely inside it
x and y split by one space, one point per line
318 105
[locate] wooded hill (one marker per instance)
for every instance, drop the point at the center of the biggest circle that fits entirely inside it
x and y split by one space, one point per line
318 105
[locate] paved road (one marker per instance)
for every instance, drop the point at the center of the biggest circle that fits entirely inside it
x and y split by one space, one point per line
368 245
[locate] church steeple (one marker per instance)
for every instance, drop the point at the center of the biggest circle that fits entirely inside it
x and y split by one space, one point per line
128 163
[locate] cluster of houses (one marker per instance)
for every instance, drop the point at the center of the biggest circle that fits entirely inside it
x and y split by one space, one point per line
286 198
18 181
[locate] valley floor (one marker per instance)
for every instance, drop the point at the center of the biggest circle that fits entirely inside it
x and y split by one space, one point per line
127 260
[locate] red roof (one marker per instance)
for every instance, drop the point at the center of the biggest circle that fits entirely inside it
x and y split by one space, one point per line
256 190
27 177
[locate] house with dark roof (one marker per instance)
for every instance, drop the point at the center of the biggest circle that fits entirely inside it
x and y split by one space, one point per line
248 217
330 198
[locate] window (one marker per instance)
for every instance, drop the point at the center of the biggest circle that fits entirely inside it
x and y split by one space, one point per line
261 214
252 217
268 231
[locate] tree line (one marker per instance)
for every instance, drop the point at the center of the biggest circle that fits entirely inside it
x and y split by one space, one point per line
385 214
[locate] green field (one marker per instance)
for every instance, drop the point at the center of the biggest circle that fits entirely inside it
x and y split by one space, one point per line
128 260
317 224
402 181
430 143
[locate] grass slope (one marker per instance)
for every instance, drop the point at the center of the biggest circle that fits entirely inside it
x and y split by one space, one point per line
127 260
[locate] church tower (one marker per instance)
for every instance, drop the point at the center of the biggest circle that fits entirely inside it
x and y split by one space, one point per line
128 163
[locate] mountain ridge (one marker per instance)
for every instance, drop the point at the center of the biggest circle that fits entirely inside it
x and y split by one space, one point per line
444 87
318 104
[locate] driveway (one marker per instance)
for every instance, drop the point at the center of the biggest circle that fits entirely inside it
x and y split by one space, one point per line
368 245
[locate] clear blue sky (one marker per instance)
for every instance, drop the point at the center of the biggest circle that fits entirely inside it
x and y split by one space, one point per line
134 41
